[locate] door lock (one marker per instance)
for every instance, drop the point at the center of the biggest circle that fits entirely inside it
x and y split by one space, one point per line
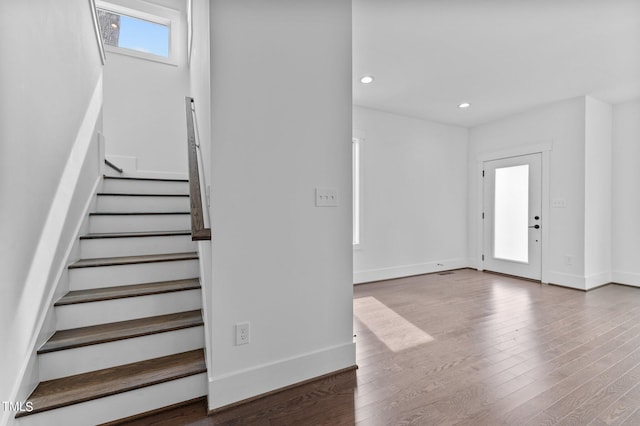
535 226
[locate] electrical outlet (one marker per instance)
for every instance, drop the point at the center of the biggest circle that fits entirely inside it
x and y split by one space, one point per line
242 333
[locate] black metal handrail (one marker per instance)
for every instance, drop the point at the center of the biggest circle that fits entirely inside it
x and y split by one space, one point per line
113 166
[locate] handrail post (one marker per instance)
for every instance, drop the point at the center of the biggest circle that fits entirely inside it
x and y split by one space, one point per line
198 229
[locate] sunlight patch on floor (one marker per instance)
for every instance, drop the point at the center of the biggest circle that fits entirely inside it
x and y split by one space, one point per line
390 328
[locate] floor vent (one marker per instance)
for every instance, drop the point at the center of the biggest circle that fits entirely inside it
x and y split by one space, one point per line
446 273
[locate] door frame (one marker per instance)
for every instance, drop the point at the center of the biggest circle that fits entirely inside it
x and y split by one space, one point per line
544 148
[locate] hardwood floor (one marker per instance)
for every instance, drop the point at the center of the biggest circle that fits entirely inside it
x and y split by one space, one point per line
469 348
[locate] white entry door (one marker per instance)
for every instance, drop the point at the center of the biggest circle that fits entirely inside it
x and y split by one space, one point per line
512 216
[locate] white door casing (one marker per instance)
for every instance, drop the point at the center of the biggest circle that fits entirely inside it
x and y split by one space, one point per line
512 215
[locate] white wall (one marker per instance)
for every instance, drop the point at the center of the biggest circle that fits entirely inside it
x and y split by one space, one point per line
598 186
200 76
414 201
626 196
200 82
281 126
144 106
563 125
51 79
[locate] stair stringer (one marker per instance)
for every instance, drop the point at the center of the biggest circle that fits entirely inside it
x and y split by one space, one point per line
46 323
205 260
63 285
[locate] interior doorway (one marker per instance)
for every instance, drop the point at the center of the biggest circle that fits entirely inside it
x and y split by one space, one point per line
512 215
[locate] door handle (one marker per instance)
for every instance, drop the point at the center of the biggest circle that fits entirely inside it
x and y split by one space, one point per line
535 226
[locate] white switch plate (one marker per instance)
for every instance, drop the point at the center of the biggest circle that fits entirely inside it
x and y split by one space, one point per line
326 197
559 203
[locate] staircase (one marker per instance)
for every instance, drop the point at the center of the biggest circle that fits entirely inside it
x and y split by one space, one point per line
129 333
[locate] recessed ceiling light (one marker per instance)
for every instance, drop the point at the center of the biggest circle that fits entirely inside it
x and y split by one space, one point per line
366 79
464 105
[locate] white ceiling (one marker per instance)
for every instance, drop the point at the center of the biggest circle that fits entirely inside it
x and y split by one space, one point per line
503 56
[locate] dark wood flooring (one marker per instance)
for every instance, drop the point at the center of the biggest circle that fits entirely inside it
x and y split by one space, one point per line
468 348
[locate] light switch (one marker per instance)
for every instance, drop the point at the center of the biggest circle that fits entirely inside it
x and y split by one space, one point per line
326 197
559 203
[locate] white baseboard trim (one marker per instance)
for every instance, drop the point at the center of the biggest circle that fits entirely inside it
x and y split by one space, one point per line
565 280
241 385
408 270
474 264
129 165
626 278
597 280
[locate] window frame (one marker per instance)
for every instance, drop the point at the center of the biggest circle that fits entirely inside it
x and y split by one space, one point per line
162 16
357 190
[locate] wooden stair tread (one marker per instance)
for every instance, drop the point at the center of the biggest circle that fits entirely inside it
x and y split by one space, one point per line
95 236
133 213
95 334
143 178
110 381
120 292
132 260
133 194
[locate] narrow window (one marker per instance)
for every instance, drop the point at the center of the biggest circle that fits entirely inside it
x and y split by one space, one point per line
128 32
149 31
356 190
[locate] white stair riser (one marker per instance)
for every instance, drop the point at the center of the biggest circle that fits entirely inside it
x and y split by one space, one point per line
139 223
107 276
109 247
94 313
122 405
54 365
135 186
113 203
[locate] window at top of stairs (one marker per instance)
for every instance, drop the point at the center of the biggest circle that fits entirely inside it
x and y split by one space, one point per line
137 33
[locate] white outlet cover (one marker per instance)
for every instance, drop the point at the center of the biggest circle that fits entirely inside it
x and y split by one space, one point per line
326 197
243 333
